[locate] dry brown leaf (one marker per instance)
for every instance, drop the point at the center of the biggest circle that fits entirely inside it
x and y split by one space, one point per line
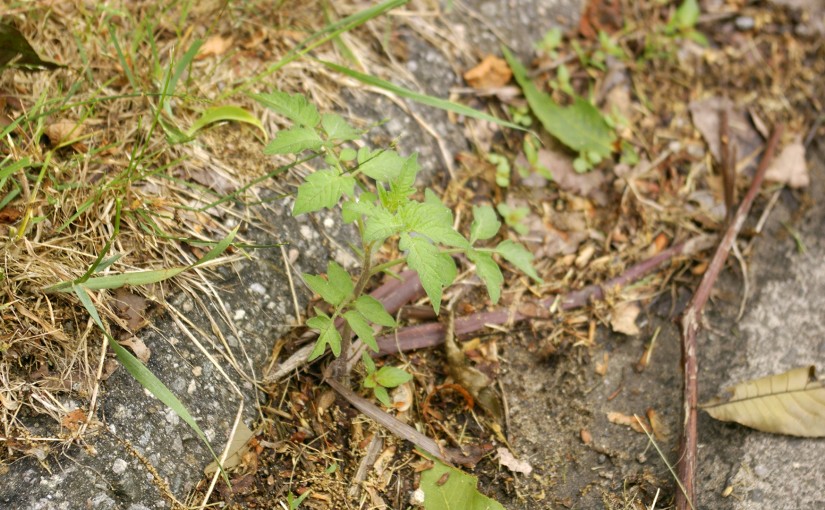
63 131
214 46
237 448
706 115
790 166
492 72
623 319
131 307
137 346
624 419
791 403
506 459
10 214
560 166
660 430
73 419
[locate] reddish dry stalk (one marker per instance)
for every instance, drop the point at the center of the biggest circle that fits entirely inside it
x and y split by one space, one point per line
432 334
686 468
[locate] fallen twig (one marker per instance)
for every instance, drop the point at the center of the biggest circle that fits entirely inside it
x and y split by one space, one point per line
432 334
686 468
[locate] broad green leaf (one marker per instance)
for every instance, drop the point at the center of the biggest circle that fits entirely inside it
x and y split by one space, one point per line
337 128
447 488
328 335
339 278
381 165
432 220
361 328
518 255
390 377
382 395
295 107
489 272
369 364
485 223
402 186
328 292
436 270
374 311
421 98
225 113
142 374
352 210
381 225
579 126
685 16
322 190
293 141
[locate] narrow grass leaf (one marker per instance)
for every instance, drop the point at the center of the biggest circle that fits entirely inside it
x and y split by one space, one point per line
223 114
419 97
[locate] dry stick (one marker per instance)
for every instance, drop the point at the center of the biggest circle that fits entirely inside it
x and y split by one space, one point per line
432 334
690 327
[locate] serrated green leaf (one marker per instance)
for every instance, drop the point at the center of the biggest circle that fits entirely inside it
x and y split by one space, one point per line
447 488
369 364
685 16
520 257
337 128
224 113
293 141
485 223
328 335
489 272
390 377
351 210
339 278
381 165
380 225
374 311
328 292
322 190
436 270
432 220
361 328
579 126
402 186
295 107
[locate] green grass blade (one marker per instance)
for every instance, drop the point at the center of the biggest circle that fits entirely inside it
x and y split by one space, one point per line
225 113
419 97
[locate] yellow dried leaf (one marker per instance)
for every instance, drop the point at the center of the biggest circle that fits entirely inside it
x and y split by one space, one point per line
237 449
791 403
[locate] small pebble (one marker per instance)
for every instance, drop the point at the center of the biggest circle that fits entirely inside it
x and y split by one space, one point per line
239 314
119 466
744 23
257 288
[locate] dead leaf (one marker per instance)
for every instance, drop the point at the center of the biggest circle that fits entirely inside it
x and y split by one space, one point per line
560 168
131 307
237 448
492 72
660 430
623 419
586 436
214 46
791 403
601 366
10 214
706 115
137 346
790 166
623 319
506 459
73 419
63 131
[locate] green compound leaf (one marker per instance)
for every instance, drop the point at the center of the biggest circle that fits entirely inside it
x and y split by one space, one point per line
433 220
323 288
295 107
447 488
518 255
339 278
489 272
337 129
381 165
579 126
390 377
328 335
436 270
322 190
381 225
293 141
374 311
352 210
485 223
361 328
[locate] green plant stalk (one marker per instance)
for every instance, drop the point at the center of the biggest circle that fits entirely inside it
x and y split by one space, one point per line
339 370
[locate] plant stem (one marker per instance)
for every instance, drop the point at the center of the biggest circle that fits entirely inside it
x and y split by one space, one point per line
340 372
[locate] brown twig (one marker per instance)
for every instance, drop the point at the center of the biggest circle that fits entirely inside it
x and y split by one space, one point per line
690 326
432 334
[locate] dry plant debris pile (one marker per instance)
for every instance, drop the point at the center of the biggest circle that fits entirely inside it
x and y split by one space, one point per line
643 126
